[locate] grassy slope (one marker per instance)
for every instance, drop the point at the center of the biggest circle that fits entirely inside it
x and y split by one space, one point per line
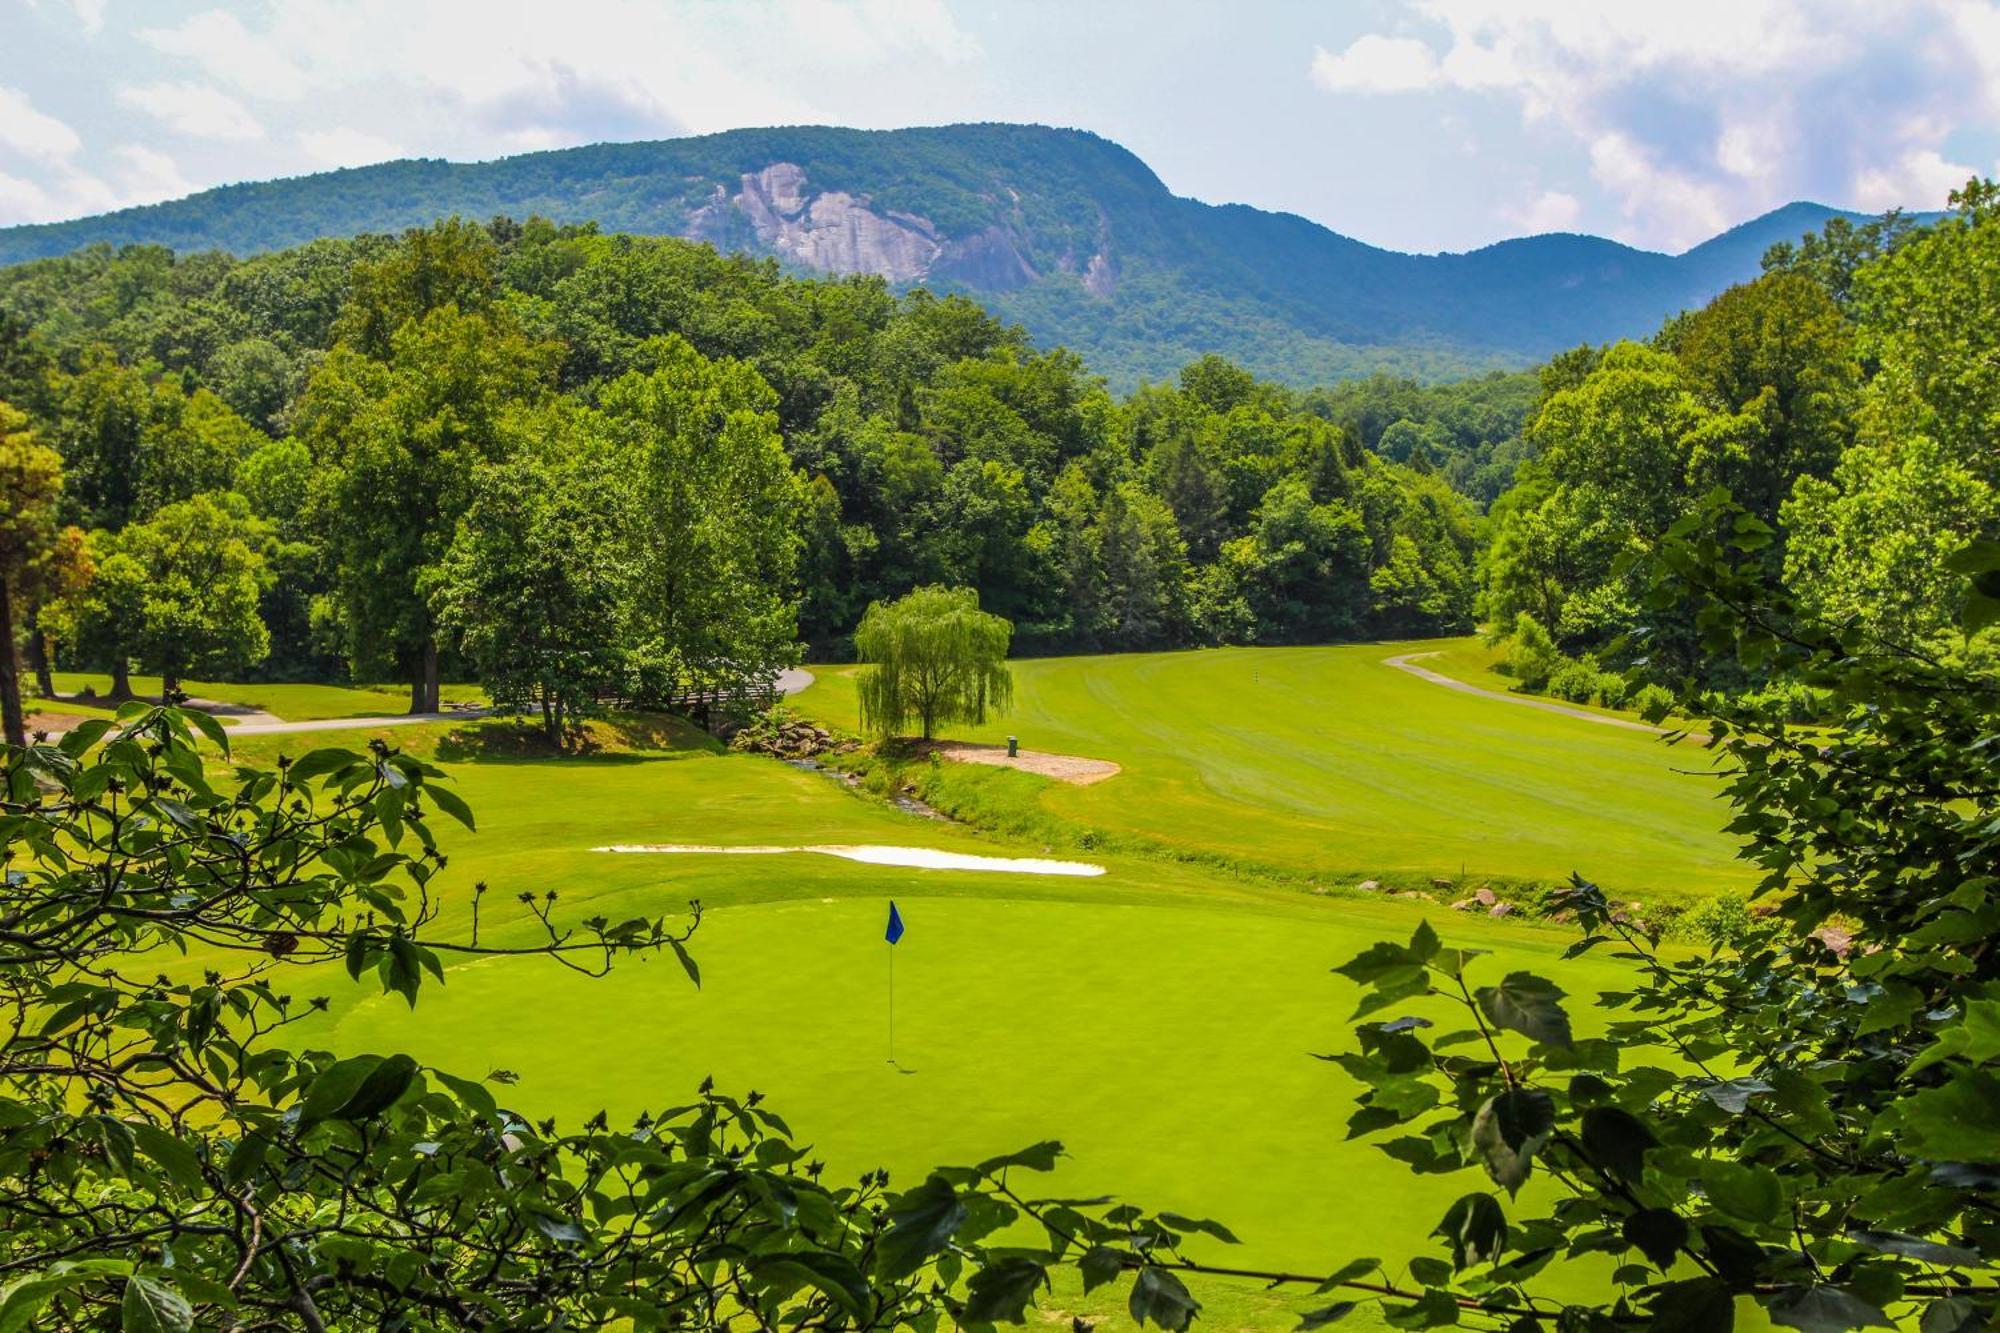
1159 1019
1326 762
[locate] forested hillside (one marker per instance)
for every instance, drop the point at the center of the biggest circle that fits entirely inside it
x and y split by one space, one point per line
1061 231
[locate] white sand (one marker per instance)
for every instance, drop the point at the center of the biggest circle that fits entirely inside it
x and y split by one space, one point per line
922 858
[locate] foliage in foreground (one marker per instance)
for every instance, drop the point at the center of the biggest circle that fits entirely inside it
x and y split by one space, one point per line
1810 1120
165 1162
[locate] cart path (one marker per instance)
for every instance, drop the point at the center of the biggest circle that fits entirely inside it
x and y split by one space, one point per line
1407 662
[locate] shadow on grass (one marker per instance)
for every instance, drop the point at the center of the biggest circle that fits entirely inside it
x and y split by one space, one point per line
621 738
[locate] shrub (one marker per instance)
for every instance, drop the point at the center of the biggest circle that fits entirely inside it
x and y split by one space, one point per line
1531 654
1575 681
1652 702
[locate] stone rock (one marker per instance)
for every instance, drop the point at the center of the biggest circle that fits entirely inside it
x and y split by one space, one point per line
1486 897
1501 909
1442 883
1369 886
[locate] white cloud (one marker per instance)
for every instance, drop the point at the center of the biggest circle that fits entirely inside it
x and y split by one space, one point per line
148 176
1551 210
1375 64
196 110
1714 110
342 146
227 51
90 13
1921 179
31 133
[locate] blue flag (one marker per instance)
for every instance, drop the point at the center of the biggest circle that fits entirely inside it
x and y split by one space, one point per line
895 931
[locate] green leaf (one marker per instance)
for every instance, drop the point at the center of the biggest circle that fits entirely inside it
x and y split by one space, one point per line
174 1155
921 1223
1475 1228
1351 1271
1916 1247
208 727
1508 1130
1958 1122
22 1302
1327 1314
1528 1004
451 803
1699 1305
1040 1157
1617 1140
1161 1298
385 1083
151 1306
1002 1291
1825 1310
1747 1193
331 1089
318 763
1099 1265
1657 1233
687 962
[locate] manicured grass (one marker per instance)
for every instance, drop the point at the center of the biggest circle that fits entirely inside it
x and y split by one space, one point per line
1160 1020
293 703
1326 762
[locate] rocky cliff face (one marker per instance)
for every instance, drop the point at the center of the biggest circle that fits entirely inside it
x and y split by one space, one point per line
838 232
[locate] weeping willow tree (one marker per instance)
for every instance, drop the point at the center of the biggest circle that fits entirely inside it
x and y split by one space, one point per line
933 657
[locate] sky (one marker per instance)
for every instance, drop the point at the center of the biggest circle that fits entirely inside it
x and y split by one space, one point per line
1414 124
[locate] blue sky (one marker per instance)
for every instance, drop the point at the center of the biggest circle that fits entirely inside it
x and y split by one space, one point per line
1416 124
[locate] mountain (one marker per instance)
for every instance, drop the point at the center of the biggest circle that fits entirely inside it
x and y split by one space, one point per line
1065 231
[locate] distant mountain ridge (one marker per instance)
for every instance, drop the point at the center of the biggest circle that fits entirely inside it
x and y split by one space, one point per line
1065 231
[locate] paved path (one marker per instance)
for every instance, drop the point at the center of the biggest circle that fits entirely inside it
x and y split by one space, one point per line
1406 662
793 680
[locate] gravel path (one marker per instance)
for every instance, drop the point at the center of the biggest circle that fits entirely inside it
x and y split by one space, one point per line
1407 662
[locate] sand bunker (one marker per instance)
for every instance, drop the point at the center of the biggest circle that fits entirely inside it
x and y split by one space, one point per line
921 858
1062 767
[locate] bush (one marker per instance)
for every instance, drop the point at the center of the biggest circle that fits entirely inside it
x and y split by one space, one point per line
1723 920
1531 654
1575 681
1652 702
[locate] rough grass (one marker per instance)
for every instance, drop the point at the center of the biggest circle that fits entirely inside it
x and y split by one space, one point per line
1328 764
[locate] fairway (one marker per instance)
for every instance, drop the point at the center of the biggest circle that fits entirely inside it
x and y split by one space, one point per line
1327 762
1159 1019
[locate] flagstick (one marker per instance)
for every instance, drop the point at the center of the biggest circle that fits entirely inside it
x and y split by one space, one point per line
892 1004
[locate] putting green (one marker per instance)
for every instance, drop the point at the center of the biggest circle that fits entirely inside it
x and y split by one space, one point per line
1168 1045
1328 762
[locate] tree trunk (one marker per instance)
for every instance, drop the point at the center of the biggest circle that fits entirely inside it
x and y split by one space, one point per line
170 685
417 692
549 728
38 656
12 720
432 696
121 679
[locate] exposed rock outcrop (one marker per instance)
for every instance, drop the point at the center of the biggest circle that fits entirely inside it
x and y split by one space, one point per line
834 230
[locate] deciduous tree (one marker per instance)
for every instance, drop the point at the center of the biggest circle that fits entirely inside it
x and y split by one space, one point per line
932 657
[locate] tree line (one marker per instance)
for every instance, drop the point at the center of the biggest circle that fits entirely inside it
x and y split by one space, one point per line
1847 400
576 464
